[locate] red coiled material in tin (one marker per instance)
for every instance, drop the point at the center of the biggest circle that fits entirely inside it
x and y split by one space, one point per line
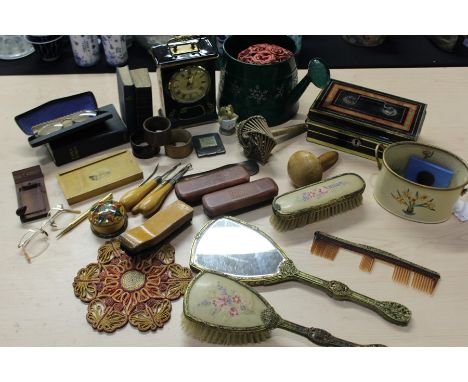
262 54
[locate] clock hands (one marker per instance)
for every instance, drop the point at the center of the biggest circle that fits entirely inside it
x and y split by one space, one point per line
189 84
190 80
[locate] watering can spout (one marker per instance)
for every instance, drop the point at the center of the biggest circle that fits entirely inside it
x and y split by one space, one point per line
317 73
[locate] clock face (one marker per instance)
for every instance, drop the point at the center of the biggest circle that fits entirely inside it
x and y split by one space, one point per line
189 84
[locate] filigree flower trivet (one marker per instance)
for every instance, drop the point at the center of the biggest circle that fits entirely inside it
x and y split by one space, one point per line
139 290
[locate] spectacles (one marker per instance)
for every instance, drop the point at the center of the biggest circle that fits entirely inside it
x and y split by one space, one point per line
64 122
35 241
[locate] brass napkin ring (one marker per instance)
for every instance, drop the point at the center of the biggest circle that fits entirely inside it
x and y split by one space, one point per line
181 144
140 148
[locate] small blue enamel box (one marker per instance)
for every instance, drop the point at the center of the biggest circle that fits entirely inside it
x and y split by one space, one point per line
427 173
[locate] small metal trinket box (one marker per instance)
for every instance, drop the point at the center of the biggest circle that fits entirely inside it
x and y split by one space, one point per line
355 119
108 219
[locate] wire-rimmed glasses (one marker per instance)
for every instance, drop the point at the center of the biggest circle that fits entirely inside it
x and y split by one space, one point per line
65 122
35 240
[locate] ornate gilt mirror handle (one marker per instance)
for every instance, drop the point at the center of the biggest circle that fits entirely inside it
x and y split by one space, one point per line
318 336
391 311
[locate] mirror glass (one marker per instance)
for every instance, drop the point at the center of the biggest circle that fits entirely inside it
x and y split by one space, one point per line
234 248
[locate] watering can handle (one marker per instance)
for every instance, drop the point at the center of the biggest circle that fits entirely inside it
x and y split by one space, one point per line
376 153
317 72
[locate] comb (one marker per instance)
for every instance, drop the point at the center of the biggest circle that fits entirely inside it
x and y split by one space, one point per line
327 246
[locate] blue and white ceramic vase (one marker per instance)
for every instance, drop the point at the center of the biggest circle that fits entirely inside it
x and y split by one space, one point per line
115 49
298 42
85 50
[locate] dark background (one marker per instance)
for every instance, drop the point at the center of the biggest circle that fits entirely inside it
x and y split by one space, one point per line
395 52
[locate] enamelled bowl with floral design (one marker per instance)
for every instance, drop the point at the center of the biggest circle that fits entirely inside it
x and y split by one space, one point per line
414 201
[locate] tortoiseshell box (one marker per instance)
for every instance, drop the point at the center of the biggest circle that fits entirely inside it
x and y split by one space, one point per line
355 119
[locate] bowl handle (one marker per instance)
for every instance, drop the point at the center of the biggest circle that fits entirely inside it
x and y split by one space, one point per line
376 153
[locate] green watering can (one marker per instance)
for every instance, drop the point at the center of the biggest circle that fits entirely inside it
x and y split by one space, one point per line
269 90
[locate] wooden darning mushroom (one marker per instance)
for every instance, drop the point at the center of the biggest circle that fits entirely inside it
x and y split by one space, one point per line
305 168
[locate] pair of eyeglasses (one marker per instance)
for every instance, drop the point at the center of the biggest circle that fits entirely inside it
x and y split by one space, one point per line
66 122
35 241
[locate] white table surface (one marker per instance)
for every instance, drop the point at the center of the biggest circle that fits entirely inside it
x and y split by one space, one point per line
38 307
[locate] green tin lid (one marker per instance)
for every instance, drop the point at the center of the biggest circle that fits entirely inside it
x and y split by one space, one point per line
318 73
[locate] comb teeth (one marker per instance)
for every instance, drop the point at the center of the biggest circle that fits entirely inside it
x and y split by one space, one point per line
423 283
367 262
401 275
424 279
324 249
287 223
417 281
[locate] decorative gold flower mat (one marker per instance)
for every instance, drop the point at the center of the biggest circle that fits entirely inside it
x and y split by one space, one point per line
139 290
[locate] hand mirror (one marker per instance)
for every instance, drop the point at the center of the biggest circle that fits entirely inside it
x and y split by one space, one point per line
224 311
230 246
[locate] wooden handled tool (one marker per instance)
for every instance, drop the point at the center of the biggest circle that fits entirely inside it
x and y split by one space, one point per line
134 196
153 201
